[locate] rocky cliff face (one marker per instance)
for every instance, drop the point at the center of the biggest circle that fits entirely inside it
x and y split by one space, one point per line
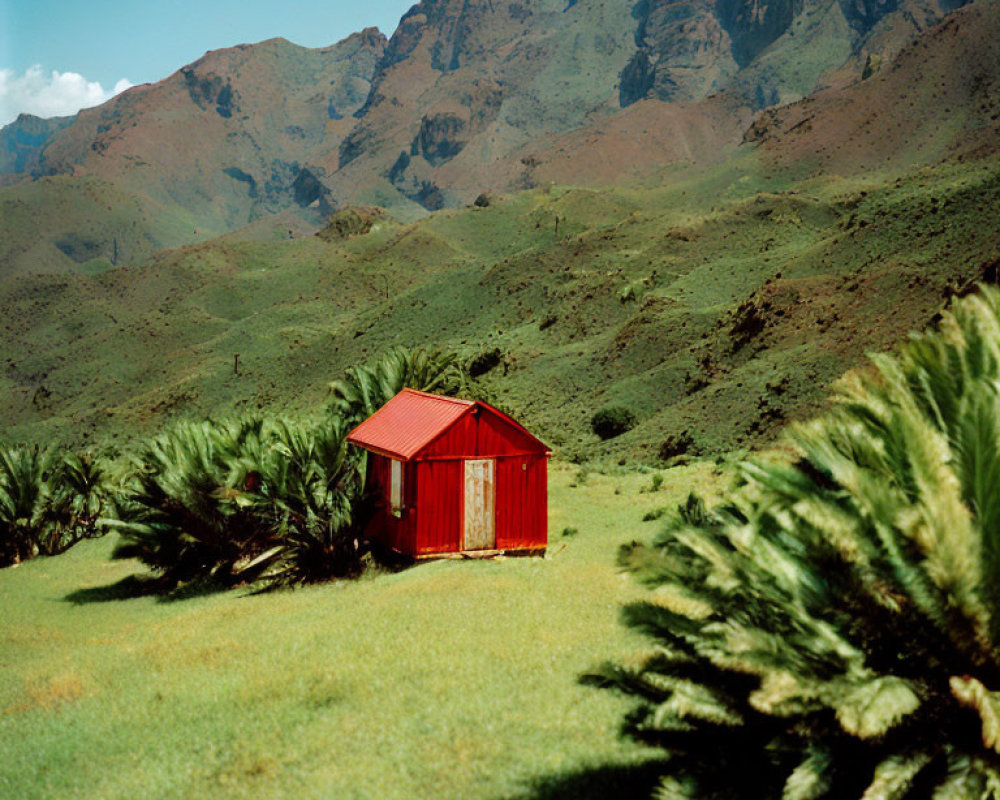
864 14
767 51
683 53
506 72
753 25
885 117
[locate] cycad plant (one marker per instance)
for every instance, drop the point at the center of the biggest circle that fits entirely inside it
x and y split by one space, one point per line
178 513
81 497
365 389
833 631
25 501
256 498
48 502
308 485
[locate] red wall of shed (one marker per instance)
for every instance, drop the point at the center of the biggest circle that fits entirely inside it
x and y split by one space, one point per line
385 527
434 489
522 503
439 507
433 495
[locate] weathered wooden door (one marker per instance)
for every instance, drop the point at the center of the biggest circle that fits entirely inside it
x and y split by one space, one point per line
480 519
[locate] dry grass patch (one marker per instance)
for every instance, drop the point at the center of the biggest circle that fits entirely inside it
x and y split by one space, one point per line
52 692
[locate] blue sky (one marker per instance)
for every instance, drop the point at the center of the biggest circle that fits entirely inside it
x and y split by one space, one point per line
55 54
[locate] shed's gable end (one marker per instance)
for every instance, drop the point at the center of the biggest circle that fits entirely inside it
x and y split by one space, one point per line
417 425
485 432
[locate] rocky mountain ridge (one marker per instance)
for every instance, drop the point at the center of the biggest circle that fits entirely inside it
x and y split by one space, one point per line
466 96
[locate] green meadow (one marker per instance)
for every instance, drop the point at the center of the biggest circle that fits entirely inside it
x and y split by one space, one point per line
451 679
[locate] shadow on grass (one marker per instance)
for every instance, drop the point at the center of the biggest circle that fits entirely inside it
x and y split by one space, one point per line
620 781
134 586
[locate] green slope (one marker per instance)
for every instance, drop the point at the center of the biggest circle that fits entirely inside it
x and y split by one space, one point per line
716 308
454 679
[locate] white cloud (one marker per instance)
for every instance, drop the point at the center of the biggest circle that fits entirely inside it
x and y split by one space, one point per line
56 94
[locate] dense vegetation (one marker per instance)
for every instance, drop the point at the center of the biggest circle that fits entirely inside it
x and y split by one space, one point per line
366 388
48 502
832 631
612 421
261 497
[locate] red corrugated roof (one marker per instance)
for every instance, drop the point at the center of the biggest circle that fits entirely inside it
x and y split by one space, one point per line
408 422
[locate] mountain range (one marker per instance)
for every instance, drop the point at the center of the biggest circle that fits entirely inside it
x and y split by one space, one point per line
467 96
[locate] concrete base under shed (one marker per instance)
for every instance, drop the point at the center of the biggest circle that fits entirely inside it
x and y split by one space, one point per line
394 559
463 554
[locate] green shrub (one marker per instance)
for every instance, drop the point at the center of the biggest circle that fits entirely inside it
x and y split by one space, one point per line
25 507
83 495
365 389
181 512
675 446
311 492
833 631
612 421
256 498
485 362
48 502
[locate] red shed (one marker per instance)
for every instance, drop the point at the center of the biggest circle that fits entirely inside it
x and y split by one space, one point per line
452 476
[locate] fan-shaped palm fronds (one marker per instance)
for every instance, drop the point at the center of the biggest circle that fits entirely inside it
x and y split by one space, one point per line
834 631
309 487
365 389
81 498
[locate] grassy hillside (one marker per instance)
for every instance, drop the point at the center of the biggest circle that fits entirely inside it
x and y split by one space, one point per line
455 679
717 307
64 224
